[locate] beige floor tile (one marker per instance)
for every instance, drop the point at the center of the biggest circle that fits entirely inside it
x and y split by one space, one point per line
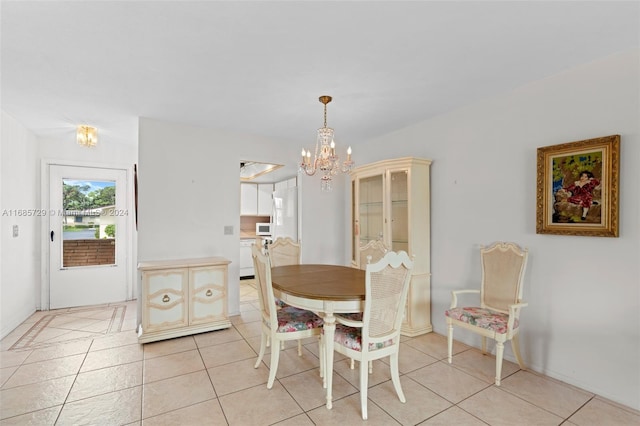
113 340
482 366
69 322
177 392
420 403
49 335
435 345
110 357
230 378
306 388
216 337
259 406
249 329
598 412
115 408
246 316
381 372
58 351
249 306
6 373
45 370
72 335
163 367
47 416
105 380
448 382
411 359
454 416
169 346
34 397
299 420
290 362
498 407
347 411
10 339
226 353
13 358
553 396
201 414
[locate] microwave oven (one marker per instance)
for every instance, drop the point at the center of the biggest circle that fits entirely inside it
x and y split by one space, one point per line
263 229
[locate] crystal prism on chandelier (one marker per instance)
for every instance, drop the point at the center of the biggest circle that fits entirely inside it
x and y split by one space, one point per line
325 158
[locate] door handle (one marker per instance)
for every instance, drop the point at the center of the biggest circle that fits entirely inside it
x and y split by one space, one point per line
51 235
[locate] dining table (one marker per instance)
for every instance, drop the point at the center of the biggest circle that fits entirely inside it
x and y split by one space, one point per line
326 290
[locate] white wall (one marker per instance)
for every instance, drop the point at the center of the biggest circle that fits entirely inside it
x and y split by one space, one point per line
20 256
189 189
582 325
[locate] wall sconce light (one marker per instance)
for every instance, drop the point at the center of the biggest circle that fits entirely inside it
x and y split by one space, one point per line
87 135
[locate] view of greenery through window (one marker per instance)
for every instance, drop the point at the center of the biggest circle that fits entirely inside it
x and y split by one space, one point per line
86 209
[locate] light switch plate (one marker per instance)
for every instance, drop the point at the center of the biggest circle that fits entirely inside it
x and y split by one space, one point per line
228 230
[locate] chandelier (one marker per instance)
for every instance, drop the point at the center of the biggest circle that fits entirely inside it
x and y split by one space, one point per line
325 158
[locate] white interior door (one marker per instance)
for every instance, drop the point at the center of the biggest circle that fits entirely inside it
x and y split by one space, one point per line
88 236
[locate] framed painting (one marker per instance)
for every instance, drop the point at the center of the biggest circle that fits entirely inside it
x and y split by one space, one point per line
577 188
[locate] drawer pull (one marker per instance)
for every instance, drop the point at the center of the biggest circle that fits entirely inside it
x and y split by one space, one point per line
166 298
209 293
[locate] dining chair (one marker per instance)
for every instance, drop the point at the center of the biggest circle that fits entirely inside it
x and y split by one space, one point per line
371 252
498 316
283 252
377 335
279 325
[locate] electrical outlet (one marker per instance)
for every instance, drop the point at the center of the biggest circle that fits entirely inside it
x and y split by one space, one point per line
15 231
228 230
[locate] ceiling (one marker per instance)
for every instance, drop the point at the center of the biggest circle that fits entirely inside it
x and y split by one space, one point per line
259 67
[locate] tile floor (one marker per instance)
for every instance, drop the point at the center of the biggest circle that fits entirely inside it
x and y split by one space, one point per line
84 366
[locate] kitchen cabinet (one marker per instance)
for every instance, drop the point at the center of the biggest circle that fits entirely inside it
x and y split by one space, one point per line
255 199
182 297
284 184
391 202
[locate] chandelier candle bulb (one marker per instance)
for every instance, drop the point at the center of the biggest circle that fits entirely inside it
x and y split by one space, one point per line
349 154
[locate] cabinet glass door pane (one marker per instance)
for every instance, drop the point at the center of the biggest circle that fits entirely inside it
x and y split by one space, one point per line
370 206
399 211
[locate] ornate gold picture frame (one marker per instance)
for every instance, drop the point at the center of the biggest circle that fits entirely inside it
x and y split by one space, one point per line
577 188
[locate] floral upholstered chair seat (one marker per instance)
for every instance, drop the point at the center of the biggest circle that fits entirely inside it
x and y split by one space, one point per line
483 318
292 319
351 337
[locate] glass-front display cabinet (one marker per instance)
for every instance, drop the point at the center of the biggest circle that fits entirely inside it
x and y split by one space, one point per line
390 202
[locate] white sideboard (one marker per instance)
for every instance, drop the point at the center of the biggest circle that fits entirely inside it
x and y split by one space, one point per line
182 297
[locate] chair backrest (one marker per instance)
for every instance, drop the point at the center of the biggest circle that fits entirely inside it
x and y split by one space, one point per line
375 249
262 272
503 267
283 252
386 288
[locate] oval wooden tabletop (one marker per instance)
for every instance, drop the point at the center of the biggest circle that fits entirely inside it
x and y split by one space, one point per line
325 282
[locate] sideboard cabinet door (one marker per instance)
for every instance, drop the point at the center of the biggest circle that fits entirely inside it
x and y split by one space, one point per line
182 297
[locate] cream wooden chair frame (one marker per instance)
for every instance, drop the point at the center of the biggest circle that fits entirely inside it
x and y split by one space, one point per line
271 316
376 249
386 288
282 252
498 317
371 252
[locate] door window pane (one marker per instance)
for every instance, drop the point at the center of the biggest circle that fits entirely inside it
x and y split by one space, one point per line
88 226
